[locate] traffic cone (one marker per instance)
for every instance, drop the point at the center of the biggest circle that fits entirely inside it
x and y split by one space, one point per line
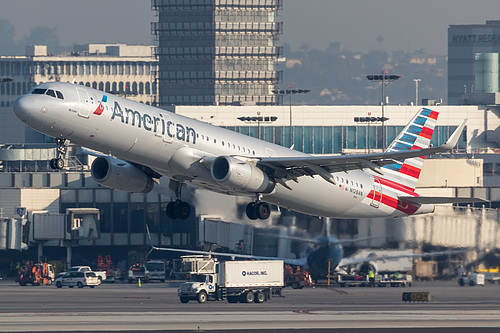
139 282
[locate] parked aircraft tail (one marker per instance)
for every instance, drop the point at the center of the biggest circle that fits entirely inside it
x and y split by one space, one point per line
416 135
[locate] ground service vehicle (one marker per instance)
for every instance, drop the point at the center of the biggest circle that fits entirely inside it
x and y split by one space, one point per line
297 277
79 279
36 274
138 272
100 275
236 281
156 269
106 265
472 279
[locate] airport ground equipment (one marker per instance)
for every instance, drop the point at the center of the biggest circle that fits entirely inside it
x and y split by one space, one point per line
36 274
138 272
296 277
353 280
101 275
234 281
426 270
156 269
472 279
106 265
78 279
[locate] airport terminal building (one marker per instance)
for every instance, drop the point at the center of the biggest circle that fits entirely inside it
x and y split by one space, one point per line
126 70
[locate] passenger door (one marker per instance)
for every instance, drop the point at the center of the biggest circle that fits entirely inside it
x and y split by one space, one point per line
377 193
84 103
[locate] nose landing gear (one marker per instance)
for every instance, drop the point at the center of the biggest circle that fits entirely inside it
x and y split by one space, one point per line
58 162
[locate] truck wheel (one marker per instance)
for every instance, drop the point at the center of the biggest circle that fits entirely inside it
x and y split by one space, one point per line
202 297
260 297
249 297
295 285
184 299
79 284
471 283
232 299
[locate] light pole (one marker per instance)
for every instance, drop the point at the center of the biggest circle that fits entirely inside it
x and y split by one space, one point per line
290 92
384 78
416 90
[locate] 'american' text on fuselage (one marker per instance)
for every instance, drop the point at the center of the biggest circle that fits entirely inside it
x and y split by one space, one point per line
154 124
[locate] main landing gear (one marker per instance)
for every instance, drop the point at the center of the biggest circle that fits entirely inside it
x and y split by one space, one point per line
177 209
258 210
58 162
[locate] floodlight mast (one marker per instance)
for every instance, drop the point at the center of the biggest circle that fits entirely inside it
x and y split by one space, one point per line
290 92
384 77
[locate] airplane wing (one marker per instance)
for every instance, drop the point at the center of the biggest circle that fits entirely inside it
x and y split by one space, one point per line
345 262
298 262
293 167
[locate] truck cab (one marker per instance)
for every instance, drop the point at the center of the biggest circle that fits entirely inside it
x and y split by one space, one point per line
200 287
156 269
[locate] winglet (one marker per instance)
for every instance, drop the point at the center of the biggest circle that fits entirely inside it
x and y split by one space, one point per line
453 139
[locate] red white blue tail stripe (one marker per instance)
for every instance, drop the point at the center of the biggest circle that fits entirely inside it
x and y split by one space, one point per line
416 135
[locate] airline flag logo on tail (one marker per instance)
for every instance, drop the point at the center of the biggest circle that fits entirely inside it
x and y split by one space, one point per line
417 135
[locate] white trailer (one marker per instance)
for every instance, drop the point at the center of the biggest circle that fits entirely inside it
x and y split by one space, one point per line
234 281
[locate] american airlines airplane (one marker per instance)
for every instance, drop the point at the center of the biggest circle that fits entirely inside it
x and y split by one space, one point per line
142 143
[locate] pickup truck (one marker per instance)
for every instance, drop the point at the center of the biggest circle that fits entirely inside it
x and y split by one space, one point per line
100 275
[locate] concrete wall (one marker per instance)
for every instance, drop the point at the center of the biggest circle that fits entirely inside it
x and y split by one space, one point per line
451 172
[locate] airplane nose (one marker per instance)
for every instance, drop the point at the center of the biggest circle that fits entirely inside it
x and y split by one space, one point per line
23 106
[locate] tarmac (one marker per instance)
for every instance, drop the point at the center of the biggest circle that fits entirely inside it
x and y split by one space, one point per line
155 307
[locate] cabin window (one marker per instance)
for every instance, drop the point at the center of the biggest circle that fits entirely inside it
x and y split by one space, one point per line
51 92
59 95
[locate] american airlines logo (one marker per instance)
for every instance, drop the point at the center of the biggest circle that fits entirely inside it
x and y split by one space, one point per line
155 124
99 109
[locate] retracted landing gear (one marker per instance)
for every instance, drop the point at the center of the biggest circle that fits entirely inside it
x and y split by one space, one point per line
258 210
177 209
58 162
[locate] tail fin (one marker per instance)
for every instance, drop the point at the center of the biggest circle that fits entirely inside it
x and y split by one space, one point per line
416 135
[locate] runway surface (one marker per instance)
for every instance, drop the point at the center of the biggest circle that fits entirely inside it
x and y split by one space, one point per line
156 307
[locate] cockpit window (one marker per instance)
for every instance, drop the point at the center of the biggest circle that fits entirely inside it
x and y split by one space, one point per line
51 92
39 91
59 95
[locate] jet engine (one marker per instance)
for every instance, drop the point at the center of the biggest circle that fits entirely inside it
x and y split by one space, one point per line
240 175
120 175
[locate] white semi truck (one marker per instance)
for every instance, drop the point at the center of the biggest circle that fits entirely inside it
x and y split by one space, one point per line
234 281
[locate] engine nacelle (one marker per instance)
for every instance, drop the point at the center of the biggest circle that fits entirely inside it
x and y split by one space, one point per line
241 175
120 175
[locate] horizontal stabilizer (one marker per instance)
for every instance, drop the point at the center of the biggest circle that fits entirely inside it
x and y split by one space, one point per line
439 200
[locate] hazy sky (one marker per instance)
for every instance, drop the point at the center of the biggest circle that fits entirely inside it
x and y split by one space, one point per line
403 24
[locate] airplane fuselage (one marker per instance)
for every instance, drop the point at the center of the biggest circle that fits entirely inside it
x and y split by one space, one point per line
178 147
